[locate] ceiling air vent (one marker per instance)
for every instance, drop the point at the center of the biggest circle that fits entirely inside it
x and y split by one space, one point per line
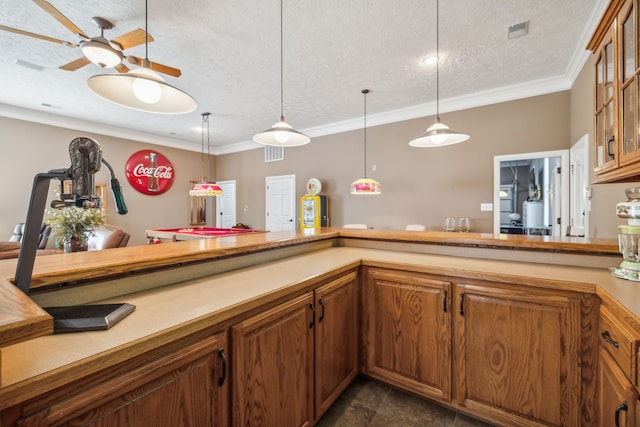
518 30
273 154
29 65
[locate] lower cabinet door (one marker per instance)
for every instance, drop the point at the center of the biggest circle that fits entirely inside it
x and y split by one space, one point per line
273 366
617 399
406 331
187 388
518 354
337 338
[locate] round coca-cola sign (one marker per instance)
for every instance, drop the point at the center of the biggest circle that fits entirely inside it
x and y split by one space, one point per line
149 172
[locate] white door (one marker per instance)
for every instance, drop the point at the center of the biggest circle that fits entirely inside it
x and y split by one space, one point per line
579 182
226 204
281 203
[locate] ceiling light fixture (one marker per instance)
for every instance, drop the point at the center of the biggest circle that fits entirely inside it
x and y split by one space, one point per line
365 185
142 89
281 134
99 50
205 188
438 134
101 54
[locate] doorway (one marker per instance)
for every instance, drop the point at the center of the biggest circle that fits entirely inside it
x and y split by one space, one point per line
580 191
531 193
226 205
280 203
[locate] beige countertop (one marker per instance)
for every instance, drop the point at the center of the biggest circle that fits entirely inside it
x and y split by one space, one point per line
171 311
21 319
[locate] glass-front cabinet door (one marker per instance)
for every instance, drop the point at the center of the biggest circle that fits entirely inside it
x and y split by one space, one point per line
604 108
629 71
616 47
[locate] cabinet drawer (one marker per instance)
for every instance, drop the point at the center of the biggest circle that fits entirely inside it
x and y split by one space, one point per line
620 341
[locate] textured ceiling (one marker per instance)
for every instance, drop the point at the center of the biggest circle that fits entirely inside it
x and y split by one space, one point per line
229 54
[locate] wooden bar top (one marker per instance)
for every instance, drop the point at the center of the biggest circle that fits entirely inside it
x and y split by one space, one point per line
21 318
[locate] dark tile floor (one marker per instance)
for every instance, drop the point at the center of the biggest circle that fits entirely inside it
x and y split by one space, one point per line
367 403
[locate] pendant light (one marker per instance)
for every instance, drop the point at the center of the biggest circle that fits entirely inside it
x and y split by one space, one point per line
142 89
438 134
205 188
365 185
281 134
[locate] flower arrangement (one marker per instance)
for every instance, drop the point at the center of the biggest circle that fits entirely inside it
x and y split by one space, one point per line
74 223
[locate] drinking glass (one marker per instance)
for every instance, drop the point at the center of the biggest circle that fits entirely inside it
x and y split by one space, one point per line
450 224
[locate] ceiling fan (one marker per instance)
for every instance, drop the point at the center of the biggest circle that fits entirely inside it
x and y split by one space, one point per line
98 50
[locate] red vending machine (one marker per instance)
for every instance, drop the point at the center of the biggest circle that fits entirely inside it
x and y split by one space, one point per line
313 207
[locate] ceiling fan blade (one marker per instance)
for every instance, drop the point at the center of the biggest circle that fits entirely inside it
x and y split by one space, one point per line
121 68
132 38
48 7
165 69
37 36
74 65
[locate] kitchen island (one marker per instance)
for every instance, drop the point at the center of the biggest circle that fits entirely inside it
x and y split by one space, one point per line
186 292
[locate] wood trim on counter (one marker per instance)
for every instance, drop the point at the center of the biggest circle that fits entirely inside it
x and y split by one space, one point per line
22 319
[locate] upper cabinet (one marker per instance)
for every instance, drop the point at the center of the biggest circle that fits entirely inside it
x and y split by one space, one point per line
616 101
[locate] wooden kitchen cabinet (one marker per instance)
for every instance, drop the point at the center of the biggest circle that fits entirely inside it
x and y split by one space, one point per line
504 353
282 355
273 366
406 331
618 369
187 387
517 353
616 100
337 339
618 399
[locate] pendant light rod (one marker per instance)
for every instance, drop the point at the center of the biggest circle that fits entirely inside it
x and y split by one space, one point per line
365 92
365 185
437 61
205 120
281 66
146 29
281 134
438 134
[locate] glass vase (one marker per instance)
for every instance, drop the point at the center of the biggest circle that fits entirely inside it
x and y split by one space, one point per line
74 244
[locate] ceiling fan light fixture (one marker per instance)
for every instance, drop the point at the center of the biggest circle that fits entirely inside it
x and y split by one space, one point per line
142 89
101 54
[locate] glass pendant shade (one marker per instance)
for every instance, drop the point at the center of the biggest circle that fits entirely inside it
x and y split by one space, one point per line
205 189
438 135
101 54
281 134
366 186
